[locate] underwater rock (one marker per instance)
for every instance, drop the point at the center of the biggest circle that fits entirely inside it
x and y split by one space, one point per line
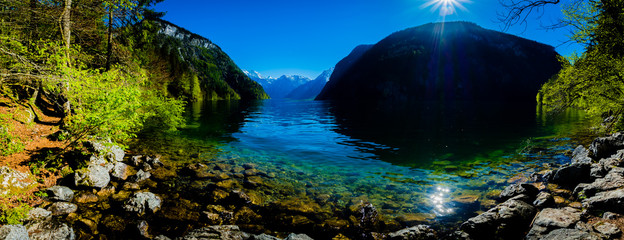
136 160
544 200
113 223
507 220
237 196
142 202
246 216
121 171
131 186
572 174
60 193
603 147
152 162
224 216
38 214
106 192
14 182
92 176
223 232
62 208
420 232
249 166
612 201
518 189
50 230
13 232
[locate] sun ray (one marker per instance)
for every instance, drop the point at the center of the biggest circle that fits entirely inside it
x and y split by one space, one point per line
445 7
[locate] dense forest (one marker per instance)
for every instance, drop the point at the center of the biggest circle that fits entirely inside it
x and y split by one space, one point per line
110 68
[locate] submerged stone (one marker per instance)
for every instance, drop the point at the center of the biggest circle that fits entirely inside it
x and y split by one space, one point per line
143 202
223 232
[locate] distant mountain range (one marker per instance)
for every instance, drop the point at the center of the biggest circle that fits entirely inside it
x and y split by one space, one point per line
310 89
443 62
293 86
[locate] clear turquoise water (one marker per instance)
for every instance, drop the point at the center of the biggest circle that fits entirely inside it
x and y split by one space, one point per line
441 162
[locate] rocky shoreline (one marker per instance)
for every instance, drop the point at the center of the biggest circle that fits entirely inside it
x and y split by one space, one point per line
114 196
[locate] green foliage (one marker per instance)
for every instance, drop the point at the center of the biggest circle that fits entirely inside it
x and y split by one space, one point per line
9 144
593 81
14 215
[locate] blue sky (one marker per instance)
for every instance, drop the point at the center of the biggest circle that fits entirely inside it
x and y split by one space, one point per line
305 37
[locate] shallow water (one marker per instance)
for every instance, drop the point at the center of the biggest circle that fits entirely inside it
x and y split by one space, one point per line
428 162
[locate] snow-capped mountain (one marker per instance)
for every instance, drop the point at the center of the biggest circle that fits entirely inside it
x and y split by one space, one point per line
310 89
278 87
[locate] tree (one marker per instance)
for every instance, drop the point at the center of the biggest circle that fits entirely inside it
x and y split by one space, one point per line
593 81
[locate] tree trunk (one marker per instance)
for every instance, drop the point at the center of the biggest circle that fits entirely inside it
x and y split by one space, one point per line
109 53
32 24
66 28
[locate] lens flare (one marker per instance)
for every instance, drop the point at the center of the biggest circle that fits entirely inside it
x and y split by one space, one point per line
446 7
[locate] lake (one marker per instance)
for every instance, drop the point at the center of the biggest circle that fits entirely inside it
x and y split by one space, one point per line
431 162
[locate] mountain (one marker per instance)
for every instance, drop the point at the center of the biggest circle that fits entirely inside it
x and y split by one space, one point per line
310 89
190 66
278 87
443 61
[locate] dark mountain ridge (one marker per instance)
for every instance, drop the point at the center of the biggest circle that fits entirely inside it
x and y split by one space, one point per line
444 61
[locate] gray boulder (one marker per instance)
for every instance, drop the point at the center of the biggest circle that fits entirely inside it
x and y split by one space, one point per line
223 232
62 208
60 193
612 201
420 232
142 202
603 147
94 176
300 236
581 155
613 180
106 150
550 219
518 189
13 232
50 230
506 220
263 237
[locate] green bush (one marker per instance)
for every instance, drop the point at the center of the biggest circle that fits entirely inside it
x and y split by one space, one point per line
14 215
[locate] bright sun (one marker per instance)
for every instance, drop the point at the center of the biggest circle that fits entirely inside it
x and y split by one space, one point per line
446 7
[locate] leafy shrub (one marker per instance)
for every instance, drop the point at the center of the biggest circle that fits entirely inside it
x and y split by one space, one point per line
14 215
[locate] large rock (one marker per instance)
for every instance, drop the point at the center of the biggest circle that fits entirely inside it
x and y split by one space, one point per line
506 220
420 232
142 202
572 174
50 230
38 214
553 218
365 213
603 147
14 182
543 200
612 201
13 232
60 193
519 189
223 232
92 176
581 155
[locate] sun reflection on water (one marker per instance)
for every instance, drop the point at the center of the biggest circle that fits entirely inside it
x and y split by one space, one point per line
440 200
